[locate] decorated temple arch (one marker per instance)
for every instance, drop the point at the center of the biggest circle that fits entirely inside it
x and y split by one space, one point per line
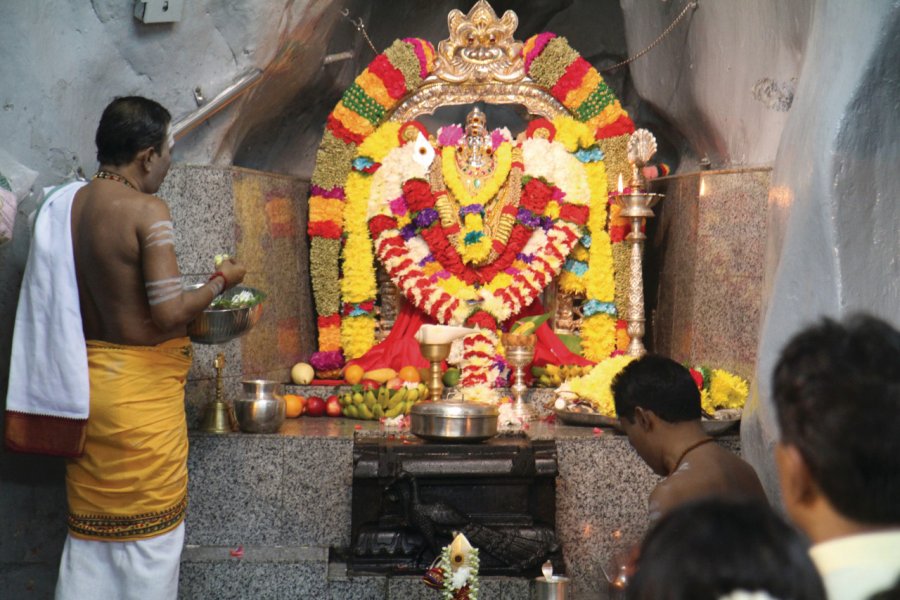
404 232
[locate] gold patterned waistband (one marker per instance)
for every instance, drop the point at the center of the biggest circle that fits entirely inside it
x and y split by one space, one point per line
119 527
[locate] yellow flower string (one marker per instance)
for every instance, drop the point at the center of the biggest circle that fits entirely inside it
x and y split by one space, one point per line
358 284
595 386
357 335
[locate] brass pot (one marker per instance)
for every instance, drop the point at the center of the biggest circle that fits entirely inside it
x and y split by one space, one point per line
453 421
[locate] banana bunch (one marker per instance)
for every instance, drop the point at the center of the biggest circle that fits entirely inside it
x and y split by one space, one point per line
554 375
372 405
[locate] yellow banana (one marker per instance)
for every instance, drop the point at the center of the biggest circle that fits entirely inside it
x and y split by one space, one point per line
394 410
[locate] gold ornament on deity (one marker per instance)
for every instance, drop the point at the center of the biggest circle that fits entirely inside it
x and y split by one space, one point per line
474 159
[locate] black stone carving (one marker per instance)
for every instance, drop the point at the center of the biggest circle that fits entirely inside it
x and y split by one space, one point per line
410 498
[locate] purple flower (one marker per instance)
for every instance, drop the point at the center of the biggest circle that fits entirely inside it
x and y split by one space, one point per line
408 232
528 218
426 217
525 258
472 209
327 361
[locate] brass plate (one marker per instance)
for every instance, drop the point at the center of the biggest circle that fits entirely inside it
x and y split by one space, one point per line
588 419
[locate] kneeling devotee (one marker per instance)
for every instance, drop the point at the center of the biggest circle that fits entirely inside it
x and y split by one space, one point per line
658 405
103 267
836 389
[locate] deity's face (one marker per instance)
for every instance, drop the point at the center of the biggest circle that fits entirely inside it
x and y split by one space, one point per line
476 125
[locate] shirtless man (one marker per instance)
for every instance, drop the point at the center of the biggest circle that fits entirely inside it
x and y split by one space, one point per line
127 492
128 279
658 405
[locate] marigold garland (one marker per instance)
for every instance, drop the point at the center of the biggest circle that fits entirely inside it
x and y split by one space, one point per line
377 90
726 390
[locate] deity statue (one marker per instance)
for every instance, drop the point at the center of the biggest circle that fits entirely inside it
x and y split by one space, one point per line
475 180
476 152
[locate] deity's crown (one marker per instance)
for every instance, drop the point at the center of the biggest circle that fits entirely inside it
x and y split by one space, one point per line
476 115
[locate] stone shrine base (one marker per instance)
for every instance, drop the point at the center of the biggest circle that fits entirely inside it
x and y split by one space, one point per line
285 500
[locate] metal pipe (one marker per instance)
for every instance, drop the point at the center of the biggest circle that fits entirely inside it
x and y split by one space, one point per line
243 84
333 58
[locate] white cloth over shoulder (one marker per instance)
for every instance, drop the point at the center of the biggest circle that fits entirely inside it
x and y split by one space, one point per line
136 570
48 373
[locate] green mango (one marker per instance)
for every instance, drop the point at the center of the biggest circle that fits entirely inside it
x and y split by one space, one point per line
451 377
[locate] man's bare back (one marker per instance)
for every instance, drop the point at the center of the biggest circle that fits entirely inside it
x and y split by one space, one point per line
707 470
129 284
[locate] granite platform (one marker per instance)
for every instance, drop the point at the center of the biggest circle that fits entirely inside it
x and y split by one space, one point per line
284 500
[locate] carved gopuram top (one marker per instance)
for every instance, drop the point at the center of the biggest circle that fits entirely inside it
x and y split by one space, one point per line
481 61
480 48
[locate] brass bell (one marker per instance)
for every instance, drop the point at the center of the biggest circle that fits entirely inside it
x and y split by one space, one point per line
216 418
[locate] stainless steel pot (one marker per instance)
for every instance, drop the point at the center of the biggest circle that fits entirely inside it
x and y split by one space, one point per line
453 421
261 407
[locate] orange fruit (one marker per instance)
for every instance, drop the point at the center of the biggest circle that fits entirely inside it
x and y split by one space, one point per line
353 374
409 373
293 405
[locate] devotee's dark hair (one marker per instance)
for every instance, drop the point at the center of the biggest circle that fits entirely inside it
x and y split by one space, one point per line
659 384
707 549
129 125
836 390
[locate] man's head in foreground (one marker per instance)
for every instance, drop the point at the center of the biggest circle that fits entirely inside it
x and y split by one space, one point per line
836 391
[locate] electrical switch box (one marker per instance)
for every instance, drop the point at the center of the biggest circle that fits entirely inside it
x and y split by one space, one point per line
158 11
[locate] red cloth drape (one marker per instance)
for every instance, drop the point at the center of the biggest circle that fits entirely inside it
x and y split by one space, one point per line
400 348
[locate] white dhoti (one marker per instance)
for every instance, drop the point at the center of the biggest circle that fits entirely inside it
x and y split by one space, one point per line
136 570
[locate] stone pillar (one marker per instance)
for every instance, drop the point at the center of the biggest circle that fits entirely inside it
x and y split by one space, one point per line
707 251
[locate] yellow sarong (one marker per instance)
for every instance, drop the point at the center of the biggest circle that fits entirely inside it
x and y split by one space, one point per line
131 481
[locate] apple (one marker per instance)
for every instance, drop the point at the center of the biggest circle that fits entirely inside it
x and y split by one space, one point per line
333 406
302 374
315 406
370 384
394 384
